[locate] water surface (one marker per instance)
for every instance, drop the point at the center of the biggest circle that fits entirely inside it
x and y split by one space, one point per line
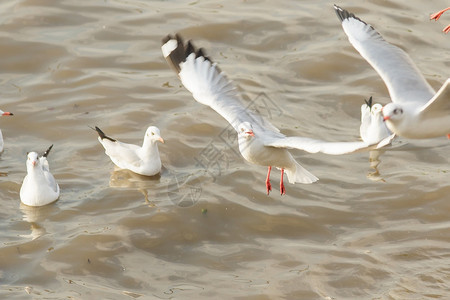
205 228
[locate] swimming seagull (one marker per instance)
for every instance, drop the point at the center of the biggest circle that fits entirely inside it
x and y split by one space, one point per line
259 141
416 111
436 17
3 113
373 128
143 160
39 187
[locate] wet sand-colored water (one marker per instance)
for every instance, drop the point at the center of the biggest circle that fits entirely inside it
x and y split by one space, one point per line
205 228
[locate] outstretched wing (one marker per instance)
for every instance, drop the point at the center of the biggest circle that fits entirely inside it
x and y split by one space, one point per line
332 148
401 76
439 104
209 85
314 146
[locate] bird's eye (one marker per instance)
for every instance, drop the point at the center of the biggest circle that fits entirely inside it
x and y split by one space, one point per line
153 133
398 111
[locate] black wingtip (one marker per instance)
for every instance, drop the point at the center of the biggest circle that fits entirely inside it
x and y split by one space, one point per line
341 13
344 14
102 135
47 151
369 103
182 50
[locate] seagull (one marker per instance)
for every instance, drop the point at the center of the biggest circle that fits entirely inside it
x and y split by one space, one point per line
260 142
3 113
39 187
416 111
143 160
436 17
373 129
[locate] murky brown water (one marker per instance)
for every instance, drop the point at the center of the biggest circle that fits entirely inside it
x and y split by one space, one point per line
205 227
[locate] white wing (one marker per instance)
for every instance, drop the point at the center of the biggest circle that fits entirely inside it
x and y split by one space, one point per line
439 105
121 153
314 146
51 181
401 76
210 86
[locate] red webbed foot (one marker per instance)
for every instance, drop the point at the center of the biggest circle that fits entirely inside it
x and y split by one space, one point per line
437 15
268 185
446 29
282 188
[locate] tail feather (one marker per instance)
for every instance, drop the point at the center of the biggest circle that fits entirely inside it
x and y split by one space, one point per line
369 102
300 175
47 151
102 135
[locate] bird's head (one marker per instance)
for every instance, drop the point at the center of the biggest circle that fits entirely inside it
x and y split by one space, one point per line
246 130
154 134
32 159
392 112
376 109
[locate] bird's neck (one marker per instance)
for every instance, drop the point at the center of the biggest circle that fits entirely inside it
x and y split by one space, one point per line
150 147
34 171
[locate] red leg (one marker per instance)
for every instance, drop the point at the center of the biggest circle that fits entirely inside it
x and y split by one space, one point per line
268 185
448 136
446 29
437 15
282 189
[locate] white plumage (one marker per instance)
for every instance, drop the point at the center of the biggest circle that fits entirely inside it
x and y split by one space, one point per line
373 129
3 113
416 111
260 142
143 160
39 187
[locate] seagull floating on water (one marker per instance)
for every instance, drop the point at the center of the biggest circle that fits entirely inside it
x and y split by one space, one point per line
3 113
39 187
436 17
416 111
260 142
143 160
373 129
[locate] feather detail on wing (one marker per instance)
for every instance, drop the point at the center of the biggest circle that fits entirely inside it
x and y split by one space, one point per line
401 76
439 104
209 85
121 154
314 146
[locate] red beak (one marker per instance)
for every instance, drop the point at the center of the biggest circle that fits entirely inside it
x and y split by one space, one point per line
250 133
386 118
6 113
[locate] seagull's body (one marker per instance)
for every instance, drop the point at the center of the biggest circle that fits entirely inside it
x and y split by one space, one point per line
416 111
255 151
39 187
373 129
260 142
3 113
143 160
